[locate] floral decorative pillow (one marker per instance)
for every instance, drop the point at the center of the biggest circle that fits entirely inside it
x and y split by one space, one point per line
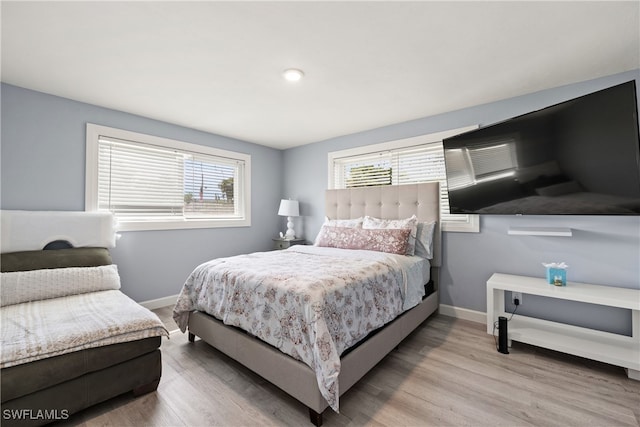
347 223
393 241
408 223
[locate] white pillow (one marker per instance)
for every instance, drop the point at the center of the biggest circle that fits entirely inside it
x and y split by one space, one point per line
424 239
24 286
347 223
410 223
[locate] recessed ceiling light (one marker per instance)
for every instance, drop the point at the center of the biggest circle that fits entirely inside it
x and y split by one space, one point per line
292 74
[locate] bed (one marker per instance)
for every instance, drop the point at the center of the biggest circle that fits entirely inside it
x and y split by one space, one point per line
288 346
70 338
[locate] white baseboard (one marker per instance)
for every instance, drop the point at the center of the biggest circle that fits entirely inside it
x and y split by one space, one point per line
160 302
463 313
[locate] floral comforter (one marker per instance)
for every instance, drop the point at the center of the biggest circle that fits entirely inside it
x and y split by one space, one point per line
310 302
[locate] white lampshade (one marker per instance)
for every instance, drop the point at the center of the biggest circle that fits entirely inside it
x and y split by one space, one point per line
289 208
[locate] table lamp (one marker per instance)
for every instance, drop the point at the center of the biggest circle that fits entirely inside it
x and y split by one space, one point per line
289 208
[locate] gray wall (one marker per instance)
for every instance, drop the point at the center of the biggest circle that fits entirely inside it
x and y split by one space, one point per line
43 165
43 168
604 250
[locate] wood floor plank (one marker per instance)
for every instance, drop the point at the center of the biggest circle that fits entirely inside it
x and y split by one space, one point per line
446 373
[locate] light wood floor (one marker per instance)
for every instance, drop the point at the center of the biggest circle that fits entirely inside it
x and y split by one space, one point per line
447 373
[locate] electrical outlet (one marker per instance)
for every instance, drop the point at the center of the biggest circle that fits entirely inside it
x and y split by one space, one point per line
515 295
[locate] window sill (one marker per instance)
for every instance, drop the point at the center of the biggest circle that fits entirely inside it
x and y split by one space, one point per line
471 226
181 224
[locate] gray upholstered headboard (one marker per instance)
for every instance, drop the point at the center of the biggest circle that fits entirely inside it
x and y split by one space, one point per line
390 202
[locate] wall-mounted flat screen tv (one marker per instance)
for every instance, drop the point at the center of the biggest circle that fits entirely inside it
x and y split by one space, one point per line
579 157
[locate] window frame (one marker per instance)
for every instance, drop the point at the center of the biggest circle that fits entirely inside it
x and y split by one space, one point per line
93 134
472 222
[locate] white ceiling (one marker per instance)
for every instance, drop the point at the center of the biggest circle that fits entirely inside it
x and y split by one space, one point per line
216 66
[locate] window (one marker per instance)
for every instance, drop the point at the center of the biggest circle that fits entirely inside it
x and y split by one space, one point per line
407 161
153 183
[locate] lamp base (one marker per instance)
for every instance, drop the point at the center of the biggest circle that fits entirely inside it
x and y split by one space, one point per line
290 234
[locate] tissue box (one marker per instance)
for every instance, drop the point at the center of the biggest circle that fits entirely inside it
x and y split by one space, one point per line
557 276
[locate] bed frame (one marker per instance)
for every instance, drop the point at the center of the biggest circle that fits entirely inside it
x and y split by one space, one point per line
298 379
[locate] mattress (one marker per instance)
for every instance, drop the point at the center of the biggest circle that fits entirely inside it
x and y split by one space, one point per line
311 303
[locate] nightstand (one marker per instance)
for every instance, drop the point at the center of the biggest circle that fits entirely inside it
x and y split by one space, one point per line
284 244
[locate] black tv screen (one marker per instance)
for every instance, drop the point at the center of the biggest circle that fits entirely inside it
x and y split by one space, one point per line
579 157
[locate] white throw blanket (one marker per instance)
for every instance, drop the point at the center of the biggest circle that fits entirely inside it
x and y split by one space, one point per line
24 286
40 329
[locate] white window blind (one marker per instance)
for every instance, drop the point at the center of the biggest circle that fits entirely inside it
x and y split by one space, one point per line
406 165
153 183
363 171
412 160
138 180
210 188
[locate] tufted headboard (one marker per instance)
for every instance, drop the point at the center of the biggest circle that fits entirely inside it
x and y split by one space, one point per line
390 202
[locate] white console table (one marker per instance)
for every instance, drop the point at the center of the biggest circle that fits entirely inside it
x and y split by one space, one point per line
615 349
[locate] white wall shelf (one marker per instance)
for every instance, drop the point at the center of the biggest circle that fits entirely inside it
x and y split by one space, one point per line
540 231
615 349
